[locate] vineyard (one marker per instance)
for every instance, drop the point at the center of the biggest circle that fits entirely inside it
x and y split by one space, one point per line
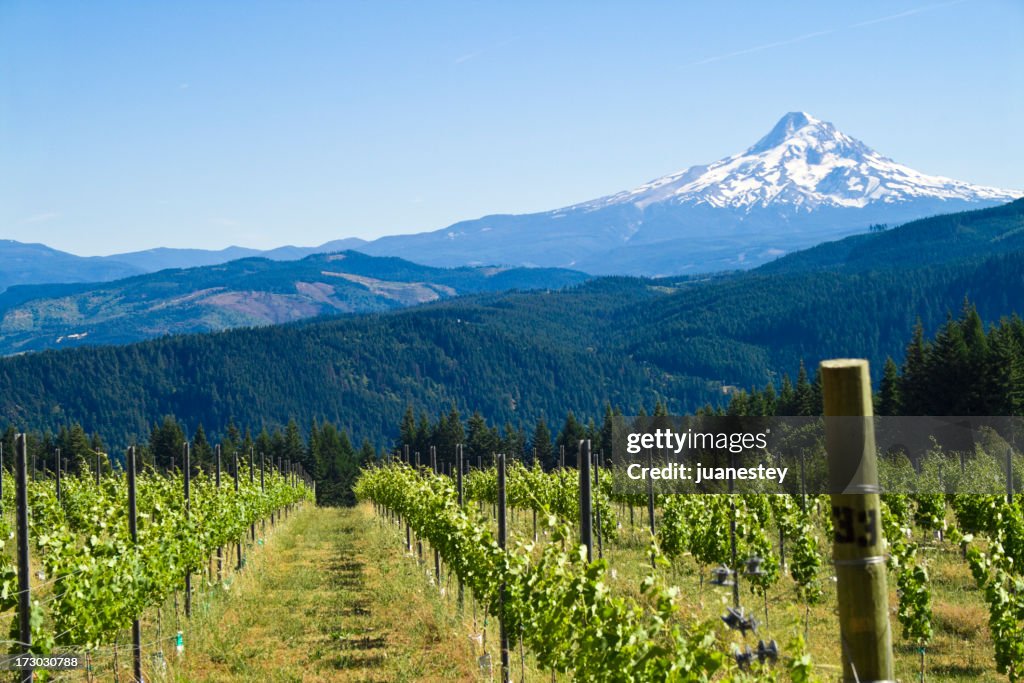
97 552
574 573
699 599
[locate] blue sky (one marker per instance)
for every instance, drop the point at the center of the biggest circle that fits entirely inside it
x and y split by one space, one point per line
127 125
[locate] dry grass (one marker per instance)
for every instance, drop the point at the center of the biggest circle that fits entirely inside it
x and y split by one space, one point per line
326 599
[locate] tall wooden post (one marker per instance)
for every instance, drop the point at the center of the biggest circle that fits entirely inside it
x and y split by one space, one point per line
238 545
650 501
1009 475
133 529
437 555
220 549
187 470
858 543
21 504
458 462
586 503
58 474
597 510
502 541
252 482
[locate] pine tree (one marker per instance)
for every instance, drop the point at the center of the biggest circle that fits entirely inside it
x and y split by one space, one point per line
264 445
165 440
541 441
454 434
950 389
888 402
769 400
606 437
569 438
912 388
202 453
803 397
421 443
367 455
407 431
513 445
481 440
787 398
294 449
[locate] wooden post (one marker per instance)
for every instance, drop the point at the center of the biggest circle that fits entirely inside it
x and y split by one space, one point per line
133 529
650 500
732 537
21 503
597 510
58 474
187 470
437 555
502 541
858 543
252 482
586 502
1009 475
238 545
534 508
458 462
220 549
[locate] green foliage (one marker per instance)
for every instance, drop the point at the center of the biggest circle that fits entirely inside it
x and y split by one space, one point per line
101 579
558 602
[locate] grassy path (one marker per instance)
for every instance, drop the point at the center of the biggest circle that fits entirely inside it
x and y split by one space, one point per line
326 600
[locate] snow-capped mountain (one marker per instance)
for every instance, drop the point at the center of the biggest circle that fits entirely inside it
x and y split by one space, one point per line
803 183
805 163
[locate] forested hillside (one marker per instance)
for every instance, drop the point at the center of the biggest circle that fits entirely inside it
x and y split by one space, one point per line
929 241
515 357
964 370
246 292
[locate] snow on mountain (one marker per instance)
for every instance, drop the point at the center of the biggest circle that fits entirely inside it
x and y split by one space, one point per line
804 163
802 184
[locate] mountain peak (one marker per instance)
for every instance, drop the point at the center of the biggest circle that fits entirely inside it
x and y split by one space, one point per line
789 127
801 165
803 183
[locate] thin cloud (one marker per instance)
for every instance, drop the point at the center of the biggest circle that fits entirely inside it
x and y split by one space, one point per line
44 217
908 13
473 55
759 48
818 34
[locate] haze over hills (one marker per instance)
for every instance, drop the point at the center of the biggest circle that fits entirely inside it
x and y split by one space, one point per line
803 183
25 263
245 292
152 260
30 264
516 356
